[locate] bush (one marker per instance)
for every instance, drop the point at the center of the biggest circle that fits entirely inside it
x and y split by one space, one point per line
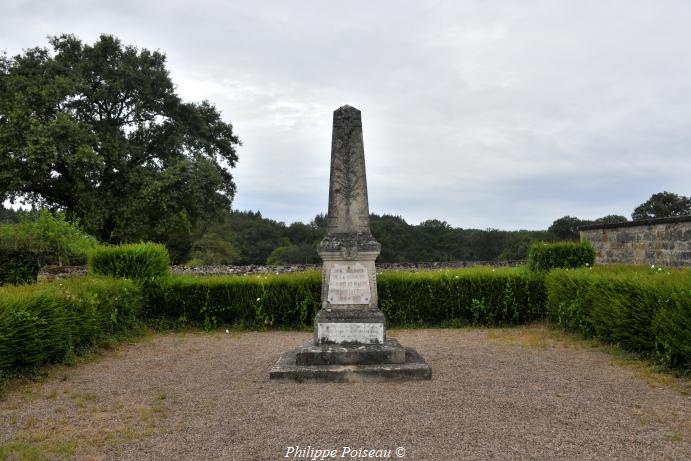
469 296
285 300
545 256
51 322
477 296
40 238
132 260
18 265
643 310
58 241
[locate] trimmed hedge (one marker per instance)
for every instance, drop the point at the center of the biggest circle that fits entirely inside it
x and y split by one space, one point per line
482 296
285 300
130 260
643 310
40 238
18 265
50 322
477 296
545 256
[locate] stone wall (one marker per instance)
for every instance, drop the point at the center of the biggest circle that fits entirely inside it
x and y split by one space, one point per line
53 272
664 241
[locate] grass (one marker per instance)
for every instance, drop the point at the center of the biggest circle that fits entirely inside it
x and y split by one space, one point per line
86 429
544 335
58 371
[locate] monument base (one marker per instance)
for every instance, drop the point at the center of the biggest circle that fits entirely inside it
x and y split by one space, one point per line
351 363
349 326
339 354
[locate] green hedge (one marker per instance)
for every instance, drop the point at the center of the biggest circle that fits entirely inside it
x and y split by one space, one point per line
482 296
478 296
545 256
643 310
18 265
50 322
285 300
132 260
40 238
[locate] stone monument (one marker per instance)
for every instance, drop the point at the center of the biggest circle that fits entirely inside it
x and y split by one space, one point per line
350 342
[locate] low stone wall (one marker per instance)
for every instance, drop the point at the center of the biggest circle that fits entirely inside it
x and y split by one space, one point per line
52 272
664 241
222 270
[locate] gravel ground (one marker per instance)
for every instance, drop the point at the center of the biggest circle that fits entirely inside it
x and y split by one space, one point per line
495 394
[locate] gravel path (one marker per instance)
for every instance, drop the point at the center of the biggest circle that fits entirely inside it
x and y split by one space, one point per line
495 394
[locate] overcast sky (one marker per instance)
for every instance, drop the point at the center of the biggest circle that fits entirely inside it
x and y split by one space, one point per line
500 114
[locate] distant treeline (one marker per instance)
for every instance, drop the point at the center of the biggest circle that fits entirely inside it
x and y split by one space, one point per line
245 237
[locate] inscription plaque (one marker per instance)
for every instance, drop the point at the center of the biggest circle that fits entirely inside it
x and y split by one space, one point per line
349 284
368 333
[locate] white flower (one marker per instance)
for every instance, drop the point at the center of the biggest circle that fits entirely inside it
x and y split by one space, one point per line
227 331
652 266
259 299
659 268
587 264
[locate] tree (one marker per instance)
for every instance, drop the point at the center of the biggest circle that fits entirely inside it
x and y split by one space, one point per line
662 205
254 237
213 248
566 227
611 219
289 253
9 216
98 131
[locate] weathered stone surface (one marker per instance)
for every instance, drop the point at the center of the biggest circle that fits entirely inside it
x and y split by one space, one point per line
414 368
349 284
333 354
346 243
349 330
349 325
348 204
656 241
349 275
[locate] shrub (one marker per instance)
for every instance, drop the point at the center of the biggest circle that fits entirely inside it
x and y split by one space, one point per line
132 260
18 265
40 238
57 240
478 296
51 322
471 296
642 310
545 256
285 300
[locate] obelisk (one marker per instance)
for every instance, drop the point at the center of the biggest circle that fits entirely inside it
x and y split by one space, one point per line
349 311
349 342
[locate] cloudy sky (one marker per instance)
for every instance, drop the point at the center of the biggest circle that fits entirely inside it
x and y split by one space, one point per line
499 114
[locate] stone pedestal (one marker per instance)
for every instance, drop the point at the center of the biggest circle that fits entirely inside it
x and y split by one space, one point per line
350 342
349 312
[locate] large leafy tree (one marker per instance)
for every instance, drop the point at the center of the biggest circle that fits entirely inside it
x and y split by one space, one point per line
662 205
566 227
99 132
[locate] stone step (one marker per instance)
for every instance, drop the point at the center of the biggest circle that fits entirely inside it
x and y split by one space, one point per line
413 369
355 354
